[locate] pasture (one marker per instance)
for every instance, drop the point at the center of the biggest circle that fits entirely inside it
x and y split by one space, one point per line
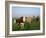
35 25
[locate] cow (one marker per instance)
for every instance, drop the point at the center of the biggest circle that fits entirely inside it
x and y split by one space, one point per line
28 20
20 22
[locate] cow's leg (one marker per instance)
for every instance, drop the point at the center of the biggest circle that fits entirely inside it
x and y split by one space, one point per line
22 25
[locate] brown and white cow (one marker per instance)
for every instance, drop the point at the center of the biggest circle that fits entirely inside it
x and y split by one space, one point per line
20 21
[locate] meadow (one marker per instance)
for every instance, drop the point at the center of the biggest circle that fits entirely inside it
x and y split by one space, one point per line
35 25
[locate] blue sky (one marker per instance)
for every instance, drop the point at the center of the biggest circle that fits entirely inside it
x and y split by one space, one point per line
25 11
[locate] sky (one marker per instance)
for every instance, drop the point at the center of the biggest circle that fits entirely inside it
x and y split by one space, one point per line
25 11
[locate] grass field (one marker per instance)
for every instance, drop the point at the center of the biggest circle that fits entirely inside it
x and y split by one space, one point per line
35 25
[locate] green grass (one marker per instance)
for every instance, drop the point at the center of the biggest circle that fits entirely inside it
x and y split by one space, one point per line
35 25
